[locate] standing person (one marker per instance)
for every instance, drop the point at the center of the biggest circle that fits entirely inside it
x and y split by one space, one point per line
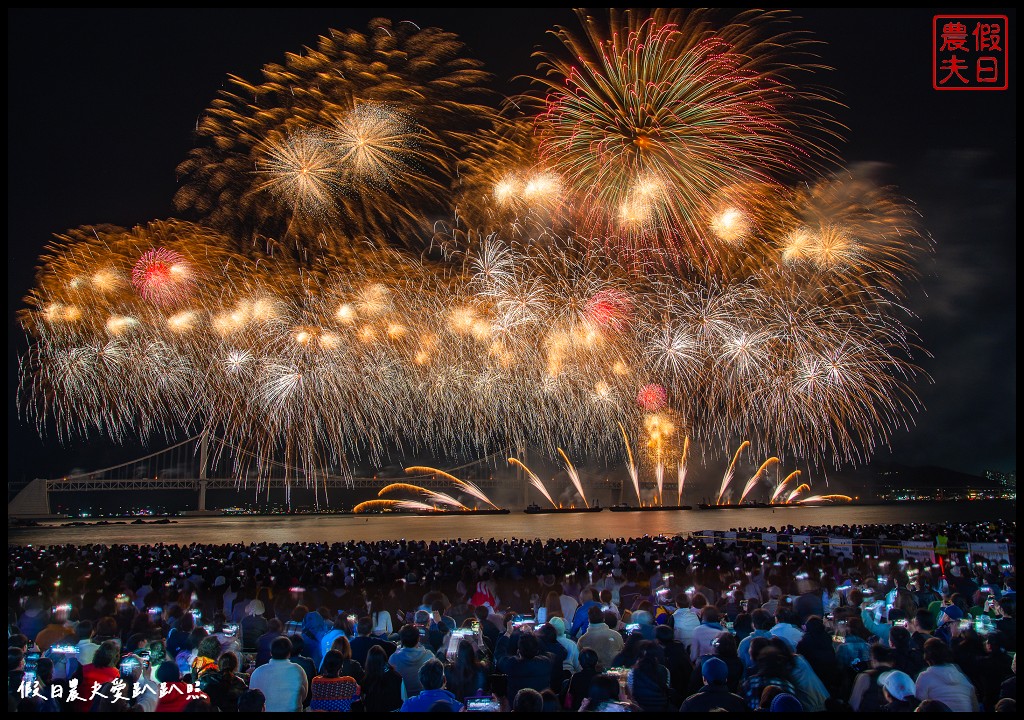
333 690
715 693
409 657
381 689
281 681
943 681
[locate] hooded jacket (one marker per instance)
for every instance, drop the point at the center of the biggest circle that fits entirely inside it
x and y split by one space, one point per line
313 630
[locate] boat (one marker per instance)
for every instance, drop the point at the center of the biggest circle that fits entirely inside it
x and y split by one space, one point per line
538 510
623 507
479 511
733 506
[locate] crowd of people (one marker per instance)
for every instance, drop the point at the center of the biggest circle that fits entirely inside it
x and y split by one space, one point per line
653 624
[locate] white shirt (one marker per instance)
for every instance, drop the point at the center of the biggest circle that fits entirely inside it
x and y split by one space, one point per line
283 683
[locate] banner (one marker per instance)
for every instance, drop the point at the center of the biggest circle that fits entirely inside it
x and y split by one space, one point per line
770 540
990 551
840 546
708 536
919 550
801 541
730 536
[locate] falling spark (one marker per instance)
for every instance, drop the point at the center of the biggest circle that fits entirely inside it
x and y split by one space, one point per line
574 476
535 481
779 488
752 483
681 472
631 467
727 478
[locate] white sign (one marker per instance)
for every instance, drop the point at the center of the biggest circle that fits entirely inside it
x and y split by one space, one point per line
990 551
840 546
919 550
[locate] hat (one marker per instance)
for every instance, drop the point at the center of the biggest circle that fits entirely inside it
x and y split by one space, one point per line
953 612
255 608
784 702
220 581
714 671
558 624
898 683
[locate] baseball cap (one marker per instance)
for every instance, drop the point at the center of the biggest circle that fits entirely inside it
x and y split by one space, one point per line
898 683
953 612
714 671
784 702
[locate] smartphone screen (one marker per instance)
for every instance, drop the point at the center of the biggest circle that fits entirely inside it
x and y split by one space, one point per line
482 705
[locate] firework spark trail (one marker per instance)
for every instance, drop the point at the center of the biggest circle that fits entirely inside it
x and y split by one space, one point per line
826 498
631 465
464 484
574 476
681 470
756 478
432 495
727 477
659 479
376 505
535 481
413 505
779 488
804 487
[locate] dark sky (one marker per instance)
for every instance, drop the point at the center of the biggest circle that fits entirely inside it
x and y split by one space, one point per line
102 105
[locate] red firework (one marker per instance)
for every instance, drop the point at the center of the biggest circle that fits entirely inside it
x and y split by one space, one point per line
652 397
609 308
161 275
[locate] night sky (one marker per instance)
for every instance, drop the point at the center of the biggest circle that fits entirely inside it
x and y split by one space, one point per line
102 105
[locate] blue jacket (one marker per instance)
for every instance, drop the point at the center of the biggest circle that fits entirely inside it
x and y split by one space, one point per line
426 700
313 630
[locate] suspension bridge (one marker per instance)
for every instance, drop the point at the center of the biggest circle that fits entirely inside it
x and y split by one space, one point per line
202 463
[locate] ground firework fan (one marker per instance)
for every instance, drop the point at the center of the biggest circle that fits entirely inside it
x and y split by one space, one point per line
650 118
